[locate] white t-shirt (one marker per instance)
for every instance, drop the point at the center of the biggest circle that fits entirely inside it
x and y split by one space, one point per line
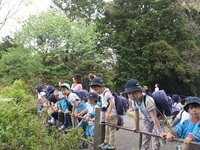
41 96
146 108
105 103
183 115
73 98
91 110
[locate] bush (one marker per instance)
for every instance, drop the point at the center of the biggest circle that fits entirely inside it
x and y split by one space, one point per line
21 129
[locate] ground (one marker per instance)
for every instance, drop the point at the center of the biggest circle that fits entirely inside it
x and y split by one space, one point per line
127 140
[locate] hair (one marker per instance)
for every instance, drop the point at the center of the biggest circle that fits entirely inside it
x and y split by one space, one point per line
78 78
91 76
193 105
61 81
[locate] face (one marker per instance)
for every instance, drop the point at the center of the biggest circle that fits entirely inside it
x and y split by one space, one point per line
194 111
98 89
136 95
73 79
91 101
65 91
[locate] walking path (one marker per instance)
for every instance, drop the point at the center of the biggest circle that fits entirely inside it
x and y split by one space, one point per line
127 140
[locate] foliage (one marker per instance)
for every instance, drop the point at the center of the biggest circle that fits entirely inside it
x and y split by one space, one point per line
76 9
19 63
20 127
147 38
65 47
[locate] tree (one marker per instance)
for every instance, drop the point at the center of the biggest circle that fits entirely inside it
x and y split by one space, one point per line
65 47
9 8
76 9
137 28
19 63
7 42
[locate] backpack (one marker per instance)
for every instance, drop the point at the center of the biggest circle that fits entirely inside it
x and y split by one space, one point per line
121 104
161 102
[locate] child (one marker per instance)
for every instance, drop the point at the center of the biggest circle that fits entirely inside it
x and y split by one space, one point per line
190 129
41 97
108 110
150 121
182 115
72 98
90 116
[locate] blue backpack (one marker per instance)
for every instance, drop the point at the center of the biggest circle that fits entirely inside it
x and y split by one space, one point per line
121 104
161 101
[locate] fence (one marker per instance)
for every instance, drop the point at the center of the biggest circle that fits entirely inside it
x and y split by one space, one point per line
99 132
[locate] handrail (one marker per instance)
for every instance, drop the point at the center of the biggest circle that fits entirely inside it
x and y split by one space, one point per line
147 133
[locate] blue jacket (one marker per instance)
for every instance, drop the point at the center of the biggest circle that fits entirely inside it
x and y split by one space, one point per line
186 129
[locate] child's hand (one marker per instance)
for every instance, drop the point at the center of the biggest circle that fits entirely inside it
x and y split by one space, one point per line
55 92
108 117
59 110
169 137
187 140
67 112
87 118
163 135
136 130
76 115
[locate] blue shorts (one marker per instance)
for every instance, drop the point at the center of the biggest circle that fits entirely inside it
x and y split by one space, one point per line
89 130
80 107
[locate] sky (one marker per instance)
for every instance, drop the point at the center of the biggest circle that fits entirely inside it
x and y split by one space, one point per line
12 23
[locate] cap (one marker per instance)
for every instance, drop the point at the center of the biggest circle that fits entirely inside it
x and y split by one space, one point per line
191 100
132 85
93 96
98 81
66 85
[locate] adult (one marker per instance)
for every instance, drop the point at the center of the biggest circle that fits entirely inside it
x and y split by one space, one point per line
77 83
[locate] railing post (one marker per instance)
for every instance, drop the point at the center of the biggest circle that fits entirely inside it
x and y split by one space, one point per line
99 129
140 140
74 121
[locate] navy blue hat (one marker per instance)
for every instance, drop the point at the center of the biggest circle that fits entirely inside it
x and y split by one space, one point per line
132 85
97 81
39 88
50 89
176 98
191 100
93 96
82 94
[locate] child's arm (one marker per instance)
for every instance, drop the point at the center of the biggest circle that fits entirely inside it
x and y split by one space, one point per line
169 136
111 106
81 113
156 123
73 108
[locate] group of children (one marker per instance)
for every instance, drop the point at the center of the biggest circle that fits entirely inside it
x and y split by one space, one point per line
187 129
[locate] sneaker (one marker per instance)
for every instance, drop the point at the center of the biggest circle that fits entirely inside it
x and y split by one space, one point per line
50 122
111 147
102 145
